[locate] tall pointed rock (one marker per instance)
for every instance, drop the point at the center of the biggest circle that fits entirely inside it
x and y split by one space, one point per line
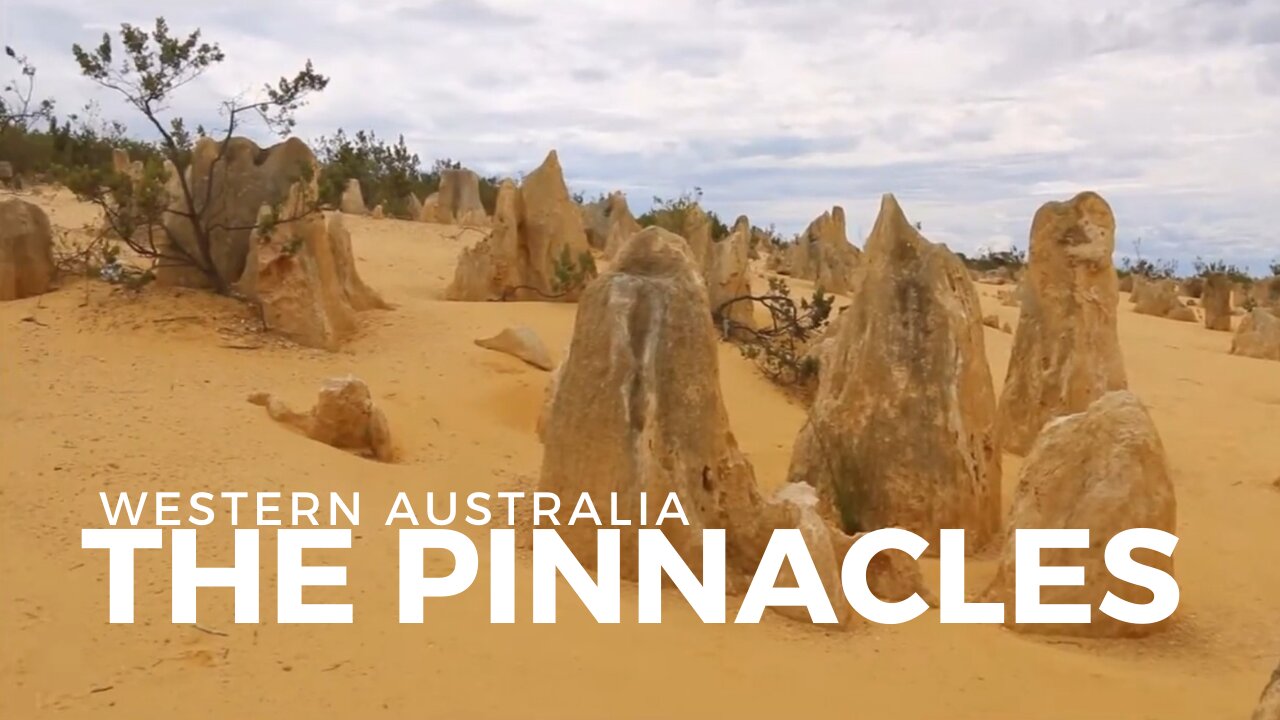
902 429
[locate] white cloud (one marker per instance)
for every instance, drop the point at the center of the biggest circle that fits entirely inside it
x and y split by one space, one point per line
974 112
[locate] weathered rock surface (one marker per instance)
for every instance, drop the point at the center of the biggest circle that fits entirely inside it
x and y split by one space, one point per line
26 250
798 506
823 254
458 200
537 249
595 221
521 342
492 268
352 202
359 295
412 207
698 233
1160 298
728 276
902 431
1269 704
1183 313
892 576
551 227
1066 352
622 224
548 400
1103 470
1258 336
636 406
430 208
1217 302
303 274
344 417
237 182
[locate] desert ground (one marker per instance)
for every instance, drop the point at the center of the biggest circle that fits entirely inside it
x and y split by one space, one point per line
101 389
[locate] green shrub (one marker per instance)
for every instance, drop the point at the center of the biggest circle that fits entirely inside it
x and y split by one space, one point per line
670 215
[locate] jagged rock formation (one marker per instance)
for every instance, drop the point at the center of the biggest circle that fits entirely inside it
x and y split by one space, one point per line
229 188
728 276
622 224
537 249
303 275
458 200
1066 352
636 406
902 431
595 221
823 254
698 233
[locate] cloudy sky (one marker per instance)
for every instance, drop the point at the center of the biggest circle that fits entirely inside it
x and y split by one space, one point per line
974 112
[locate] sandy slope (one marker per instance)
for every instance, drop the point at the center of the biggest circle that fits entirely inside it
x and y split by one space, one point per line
110 392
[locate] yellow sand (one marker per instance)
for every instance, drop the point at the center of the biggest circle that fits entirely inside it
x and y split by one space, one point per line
103 391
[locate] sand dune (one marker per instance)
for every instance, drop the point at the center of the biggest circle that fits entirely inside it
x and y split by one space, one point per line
100 390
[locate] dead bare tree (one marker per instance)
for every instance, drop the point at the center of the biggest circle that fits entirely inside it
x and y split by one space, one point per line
780 348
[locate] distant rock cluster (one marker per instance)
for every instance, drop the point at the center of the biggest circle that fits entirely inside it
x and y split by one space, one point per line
905 428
